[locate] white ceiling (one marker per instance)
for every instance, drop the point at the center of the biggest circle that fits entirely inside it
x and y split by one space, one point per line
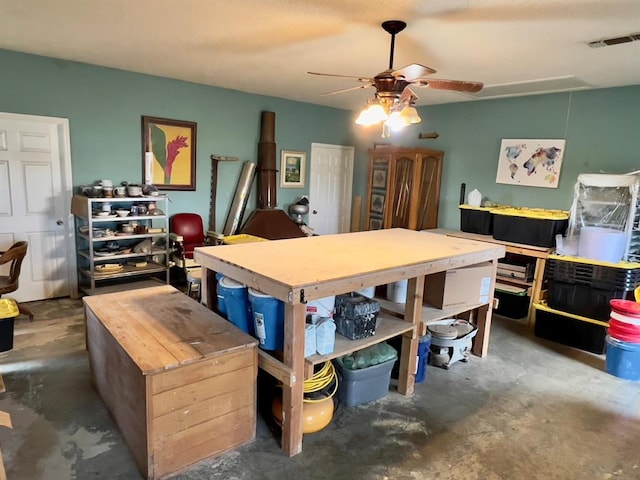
267 46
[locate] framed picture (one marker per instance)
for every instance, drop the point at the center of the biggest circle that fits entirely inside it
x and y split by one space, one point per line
377 202
292 169
375 223
531 163
169 153
379 178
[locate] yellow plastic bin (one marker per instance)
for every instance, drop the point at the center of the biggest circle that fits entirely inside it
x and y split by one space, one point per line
531 226
8 312
476 219
242 238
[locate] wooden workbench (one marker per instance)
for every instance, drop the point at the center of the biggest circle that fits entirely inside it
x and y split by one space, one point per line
178 379
539 253
303 269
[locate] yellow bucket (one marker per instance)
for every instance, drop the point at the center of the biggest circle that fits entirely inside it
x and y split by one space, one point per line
8 308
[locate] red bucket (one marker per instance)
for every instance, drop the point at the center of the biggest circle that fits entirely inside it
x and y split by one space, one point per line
625 311
623 331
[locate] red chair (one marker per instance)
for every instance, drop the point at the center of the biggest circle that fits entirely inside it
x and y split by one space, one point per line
186 232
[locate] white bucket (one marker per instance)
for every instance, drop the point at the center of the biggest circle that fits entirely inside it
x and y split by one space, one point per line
368 292
603 244
321 308
397 291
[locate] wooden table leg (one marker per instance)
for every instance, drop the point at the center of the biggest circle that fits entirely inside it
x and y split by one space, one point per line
5 421
536 289
413 314
204 286
483 322
294 319
483 316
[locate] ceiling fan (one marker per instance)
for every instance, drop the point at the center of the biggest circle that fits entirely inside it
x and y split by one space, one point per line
391 85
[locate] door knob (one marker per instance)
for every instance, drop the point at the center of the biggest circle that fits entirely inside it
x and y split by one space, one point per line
59 222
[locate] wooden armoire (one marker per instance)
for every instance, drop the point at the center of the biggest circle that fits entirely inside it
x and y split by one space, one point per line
404 188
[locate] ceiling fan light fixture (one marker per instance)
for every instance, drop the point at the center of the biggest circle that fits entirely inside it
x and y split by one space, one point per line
372 115
397 122
391 111
394 89
410 114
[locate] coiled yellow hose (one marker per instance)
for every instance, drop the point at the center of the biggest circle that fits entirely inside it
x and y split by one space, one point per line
321 379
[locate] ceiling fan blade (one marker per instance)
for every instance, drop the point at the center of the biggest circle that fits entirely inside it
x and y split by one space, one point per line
455 85
413 71
347 90
360 79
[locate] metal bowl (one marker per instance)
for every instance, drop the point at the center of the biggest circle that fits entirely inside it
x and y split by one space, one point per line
298 209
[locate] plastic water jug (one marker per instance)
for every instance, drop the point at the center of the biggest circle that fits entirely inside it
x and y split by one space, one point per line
475 198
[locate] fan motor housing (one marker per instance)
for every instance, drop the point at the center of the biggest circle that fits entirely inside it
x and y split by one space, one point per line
386 83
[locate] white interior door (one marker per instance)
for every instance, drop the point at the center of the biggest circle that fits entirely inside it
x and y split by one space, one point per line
35 188
331 174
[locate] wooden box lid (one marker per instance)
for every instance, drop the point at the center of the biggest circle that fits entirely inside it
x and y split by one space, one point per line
161 328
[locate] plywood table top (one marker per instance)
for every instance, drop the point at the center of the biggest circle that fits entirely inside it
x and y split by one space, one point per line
305 262
533 250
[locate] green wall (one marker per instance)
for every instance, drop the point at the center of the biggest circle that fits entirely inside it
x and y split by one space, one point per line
104 107
600 128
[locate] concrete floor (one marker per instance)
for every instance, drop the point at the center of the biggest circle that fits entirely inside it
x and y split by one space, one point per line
533 409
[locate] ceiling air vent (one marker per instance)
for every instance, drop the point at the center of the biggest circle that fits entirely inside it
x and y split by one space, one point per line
607 42
534 87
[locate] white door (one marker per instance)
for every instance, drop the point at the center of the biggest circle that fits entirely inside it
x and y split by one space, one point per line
35 190
331 174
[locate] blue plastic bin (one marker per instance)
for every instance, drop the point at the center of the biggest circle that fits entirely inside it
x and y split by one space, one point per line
623 359
424 347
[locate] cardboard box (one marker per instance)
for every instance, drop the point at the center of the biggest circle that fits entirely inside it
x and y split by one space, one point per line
459 287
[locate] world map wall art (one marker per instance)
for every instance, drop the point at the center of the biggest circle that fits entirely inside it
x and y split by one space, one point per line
530 163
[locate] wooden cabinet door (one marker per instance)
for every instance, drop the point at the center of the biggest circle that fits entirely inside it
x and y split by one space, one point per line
403 191
429 190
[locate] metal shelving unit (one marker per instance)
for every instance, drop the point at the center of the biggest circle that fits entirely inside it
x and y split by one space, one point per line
94 233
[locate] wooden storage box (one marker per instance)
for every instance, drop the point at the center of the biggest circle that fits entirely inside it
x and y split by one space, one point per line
179 380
